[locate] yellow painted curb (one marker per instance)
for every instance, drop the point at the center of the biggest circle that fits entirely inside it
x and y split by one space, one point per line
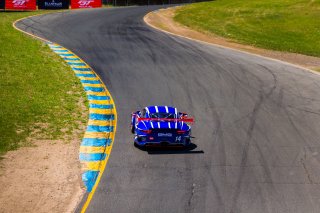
102 164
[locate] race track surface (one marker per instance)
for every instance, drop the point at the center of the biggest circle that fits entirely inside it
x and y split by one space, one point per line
257 127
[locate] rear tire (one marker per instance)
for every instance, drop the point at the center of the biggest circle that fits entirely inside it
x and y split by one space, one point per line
187 143
132 129
143 148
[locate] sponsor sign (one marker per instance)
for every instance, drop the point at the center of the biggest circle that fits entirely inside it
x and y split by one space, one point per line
21 5
53 4
77 4
2 4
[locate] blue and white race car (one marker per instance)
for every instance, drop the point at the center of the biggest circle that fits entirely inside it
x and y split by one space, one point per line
161 125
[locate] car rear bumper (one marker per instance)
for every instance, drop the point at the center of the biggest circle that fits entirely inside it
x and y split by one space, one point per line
185 142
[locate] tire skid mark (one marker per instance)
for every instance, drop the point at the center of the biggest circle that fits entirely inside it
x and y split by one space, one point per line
263 96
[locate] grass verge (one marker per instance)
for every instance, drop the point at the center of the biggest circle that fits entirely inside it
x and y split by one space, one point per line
286 25
39 92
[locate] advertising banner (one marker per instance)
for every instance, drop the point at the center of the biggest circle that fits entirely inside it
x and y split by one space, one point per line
2 4
53 4
77 4
21 5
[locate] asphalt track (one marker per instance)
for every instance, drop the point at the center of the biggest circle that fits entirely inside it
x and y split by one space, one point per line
257 126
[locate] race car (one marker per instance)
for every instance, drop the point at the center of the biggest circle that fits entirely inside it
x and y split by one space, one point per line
161 125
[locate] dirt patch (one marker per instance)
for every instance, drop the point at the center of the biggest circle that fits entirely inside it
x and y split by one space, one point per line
163 19
43 177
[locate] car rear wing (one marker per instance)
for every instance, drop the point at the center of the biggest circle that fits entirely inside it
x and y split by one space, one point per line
187 120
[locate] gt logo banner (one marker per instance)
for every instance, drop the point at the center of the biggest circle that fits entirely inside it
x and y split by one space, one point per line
21 4
84 3
76 4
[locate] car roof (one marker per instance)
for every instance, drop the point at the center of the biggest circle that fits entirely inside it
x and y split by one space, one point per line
161 109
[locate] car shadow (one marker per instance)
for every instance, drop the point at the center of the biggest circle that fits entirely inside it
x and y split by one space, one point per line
159 150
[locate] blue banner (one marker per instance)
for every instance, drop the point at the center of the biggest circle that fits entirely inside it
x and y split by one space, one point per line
53 4
2 4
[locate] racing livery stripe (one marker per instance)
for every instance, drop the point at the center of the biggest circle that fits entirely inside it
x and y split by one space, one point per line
98 139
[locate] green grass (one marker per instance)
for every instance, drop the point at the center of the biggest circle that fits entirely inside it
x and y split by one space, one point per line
284 25
38 91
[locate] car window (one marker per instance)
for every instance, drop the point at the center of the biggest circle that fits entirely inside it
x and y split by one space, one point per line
143 114
162 115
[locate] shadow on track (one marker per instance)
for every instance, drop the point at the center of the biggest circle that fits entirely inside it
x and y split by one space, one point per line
159 150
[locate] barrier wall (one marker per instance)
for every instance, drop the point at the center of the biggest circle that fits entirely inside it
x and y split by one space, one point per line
53 4
20 5
78 4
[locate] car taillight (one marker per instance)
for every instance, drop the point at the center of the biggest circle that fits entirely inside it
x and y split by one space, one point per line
181 131
147 131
